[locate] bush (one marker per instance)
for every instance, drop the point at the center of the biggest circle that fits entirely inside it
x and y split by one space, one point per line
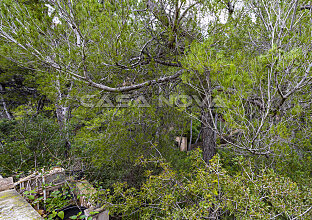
29 143
208 191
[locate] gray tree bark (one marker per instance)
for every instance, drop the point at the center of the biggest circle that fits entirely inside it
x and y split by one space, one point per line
207 119
208 134
2 100
63 114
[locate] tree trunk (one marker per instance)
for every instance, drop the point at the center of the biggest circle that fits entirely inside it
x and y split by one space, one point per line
2 100
208 125
208 134
63 114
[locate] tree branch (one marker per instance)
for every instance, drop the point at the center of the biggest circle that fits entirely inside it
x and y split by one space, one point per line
133 87
306 7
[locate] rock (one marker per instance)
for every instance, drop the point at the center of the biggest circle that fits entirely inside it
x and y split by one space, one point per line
6 183
14 206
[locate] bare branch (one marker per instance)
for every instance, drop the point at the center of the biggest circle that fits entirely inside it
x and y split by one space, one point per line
133 87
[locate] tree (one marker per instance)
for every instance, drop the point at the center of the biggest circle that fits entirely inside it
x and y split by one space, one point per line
258 82
93 43
249 62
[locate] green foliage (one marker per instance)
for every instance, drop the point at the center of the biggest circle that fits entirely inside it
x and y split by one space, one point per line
28 143
80 216
254 66
111 139
203 190
58 199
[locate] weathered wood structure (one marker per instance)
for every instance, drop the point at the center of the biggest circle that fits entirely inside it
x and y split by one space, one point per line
86 194
42 182
182 143
45 182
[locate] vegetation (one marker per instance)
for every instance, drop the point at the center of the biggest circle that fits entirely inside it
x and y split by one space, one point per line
109 85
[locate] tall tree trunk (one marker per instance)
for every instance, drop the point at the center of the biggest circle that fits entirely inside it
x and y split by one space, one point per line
208 134
63 114
191 134
208 125
2 100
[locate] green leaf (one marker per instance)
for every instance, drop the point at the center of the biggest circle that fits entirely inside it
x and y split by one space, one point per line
215 192
61 214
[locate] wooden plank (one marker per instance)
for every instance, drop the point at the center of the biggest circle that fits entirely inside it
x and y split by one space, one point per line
85 190
182 143
51 188
6 183
35 182
14 206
